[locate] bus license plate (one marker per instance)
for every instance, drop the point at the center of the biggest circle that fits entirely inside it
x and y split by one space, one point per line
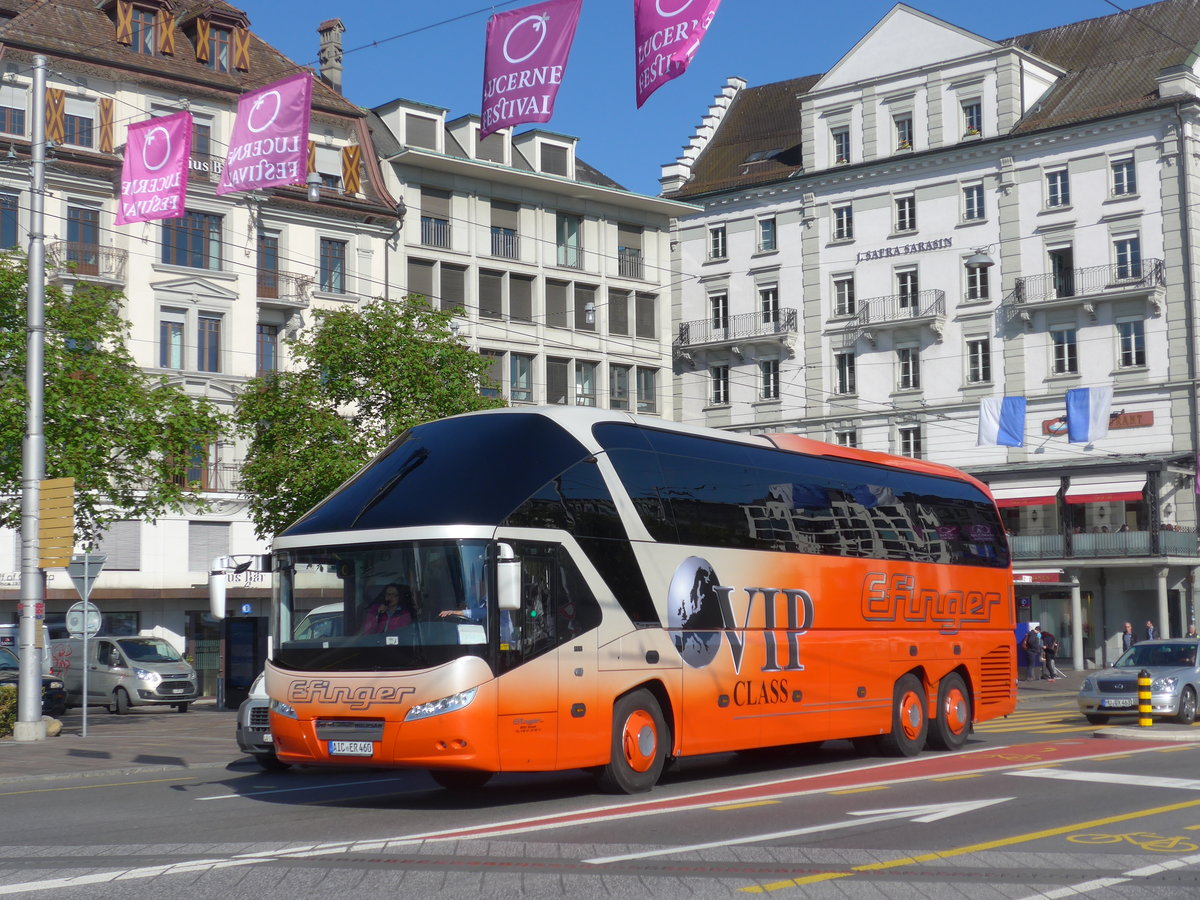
351 748
1116 702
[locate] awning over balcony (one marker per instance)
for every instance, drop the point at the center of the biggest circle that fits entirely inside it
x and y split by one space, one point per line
1036 492
1106 488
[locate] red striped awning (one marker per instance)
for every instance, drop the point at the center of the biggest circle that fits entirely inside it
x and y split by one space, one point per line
1106 489
1025 493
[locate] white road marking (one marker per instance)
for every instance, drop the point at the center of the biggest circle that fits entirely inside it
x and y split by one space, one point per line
1097 884
1178 784
930 813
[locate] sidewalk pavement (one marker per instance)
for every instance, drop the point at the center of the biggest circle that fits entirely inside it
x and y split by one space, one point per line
161 740
145 740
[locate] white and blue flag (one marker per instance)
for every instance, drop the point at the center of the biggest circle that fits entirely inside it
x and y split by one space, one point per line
1001 422
1088 411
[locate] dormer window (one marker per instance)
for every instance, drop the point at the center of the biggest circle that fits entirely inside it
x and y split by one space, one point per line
143 33
146 27
972 115
555 160
218 48
222 40
420 131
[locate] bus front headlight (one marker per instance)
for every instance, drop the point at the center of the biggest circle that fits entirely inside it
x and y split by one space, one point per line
444 705
284 709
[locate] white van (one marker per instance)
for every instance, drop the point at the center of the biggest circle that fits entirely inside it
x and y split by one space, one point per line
124 672
10 636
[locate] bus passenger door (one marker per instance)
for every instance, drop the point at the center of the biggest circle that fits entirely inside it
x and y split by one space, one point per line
548 652
528 684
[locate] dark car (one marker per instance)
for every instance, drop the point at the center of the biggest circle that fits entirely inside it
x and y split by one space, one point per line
54 698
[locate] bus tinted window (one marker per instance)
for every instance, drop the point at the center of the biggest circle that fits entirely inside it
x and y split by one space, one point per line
707 492
471 470
577 501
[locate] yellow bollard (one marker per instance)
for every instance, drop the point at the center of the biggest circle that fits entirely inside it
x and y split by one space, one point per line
1144 719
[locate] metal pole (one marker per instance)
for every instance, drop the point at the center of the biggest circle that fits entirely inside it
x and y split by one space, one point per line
87 619
29 725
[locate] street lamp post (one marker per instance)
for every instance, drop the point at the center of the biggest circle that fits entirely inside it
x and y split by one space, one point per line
29 725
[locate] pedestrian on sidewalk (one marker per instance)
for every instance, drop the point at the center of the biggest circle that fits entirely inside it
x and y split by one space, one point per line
1127 637
1151 634
1033 653
1049 651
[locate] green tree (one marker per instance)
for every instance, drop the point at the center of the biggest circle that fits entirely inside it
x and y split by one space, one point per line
360 377
126 437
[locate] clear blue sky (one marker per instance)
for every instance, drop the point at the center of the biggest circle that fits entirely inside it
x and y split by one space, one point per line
759 40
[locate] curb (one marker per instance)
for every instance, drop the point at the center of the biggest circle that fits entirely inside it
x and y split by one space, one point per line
1159 733
123 773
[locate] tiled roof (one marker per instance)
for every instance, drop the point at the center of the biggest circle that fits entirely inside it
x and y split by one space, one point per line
1110 64
761 120
84 33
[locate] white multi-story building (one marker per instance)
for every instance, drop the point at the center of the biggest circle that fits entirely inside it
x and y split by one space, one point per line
556 273
942 218
210 295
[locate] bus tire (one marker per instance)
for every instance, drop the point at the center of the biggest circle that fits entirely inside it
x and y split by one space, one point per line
639 745
910 724
1095 719
952 726
460 779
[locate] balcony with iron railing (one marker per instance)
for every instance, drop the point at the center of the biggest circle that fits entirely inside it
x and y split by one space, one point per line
1085 287
435 232
746 328
895 311
74 260
219 477
506 243
284 288
629 263
570 256
1116 545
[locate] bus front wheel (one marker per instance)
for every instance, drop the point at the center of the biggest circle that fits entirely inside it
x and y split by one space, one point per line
910 724
639 745
952 726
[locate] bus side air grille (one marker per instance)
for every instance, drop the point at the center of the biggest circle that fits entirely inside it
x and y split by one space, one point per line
996 676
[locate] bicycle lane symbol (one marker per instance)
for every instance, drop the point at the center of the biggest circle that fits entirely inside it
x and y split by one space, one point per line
1146 840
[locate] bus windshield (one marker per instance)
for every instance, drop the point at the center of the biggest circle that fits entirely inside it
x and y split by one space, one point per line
399 606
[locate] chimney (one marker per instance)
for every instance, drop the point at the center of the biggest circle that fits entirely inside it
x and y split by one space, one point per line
329 56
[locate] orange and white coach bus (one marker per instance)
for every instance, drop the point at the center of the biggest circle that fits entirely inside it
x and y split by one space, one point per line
552 588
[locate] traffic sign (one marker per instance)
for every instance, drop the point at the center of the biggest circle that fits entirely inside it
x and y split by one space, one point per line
83 617
84 569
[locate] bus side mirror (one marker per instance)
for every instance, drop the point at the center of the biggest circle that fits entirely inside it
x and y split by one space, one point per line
508 578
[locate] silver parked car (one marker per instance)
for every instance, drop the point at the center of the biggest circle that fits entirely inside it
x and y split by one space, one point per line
1174 682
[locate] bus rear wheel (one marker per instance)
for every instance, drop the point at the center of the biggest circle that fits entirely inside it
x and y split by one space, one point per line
639 745
952 726
910 724
460 779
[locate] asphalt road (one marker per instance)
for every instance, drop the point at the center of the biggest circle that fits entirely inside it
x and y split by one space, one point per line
1035 806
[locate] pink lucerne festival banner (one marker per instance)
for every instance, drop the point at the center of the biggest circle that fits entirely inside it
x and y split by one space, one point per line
269 146
154 173
525 57
667 34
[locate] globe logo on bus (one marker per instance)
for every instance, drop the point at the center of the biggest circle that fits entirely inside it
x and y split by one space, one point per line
693 610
